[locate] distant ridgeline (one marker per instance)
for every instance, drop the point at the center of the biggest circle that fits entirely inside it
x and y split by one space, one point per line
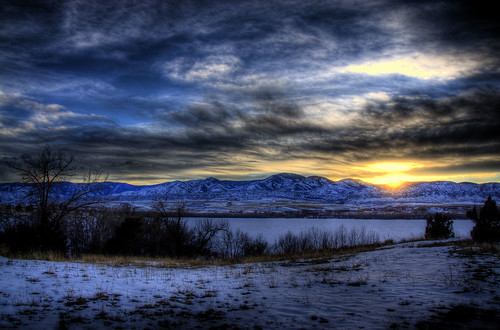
285 186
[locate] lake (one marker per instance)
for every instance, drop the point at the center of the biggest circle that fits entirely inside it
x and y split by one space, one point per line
395 229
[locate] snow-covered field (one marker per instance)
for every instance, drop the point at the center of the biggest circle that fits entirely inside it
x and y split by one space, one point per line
396 286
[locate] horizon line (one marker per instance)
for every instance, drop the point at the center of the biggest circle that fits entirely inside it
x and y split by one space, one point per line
387 185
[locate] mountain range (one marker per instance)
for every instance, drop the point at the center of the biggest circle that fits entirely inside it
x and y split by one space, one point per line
285 186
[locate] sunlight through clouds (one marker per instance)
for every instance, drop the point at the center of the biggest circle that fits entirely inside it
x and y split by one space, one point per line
390 173
394 174
419 66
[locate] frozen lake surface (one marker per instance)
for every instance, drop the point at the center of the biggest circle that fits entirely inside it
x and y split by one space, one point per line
395 229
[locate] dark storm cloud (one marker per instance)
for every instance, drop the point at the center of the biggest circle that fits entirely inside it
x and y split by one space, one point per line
421 126
466 25
210 132
462 125
120 43
268 119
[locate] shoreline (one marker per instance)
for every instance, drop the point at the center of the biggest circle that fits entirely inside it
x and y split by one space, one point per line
353 216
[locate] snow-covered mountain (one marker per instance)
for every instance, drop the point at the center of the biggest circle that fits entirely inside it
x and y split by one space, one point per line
283 186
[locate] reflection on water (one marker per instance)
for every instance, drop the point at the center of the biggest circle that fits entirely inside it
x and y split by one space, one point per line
272 228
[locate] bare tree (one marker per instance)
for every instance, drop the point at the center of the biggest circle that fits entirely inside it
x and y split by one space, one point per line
204 232
46 174
173 225
181 239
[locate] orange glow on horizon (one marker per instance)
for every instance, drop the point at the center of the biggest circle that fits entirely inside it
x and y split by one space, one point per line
392 174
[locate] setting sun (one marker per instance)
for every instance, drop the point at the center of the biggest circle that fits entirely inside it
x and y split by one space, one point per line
391 180
392 174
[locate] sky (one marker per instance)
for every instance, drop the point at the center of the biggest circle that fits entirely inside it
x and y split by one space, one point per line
153 91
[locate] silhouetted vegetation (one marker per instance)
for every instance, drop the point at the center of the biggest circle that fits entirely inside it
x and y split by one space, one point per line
439 227
127 239
239 245
487 222
315 239
27 236
168 233
41 226
165 232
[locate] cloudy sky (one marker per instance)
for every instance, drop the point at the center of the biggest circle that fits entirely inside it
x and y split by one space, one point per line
154 91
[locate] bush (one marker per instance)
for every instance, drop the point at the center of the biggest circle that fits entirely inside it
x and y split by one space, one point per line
27 238
128 238
21 232
316 239
238 244
439 227
487 222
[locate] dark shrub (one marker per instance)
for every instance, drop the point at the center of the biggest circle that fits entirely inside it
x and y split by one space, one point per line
288 243
128 238
27 238
439 227
238 244
254 247
487 222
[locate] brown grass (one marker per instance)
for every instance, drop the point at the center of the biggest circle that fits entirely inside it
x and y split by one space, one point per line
465 246
471 248
34 255
138 261
165 262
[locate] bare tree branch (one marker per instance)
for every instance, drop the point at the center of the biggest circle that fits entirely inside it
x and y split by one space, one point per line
49 170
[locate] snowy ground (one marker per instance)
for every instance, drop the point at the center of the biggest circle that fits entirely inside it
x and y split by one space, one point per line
399 286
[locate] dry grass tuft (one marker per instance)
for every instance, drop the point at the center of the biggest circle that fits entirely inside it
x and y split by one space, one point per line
470 248
34 255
